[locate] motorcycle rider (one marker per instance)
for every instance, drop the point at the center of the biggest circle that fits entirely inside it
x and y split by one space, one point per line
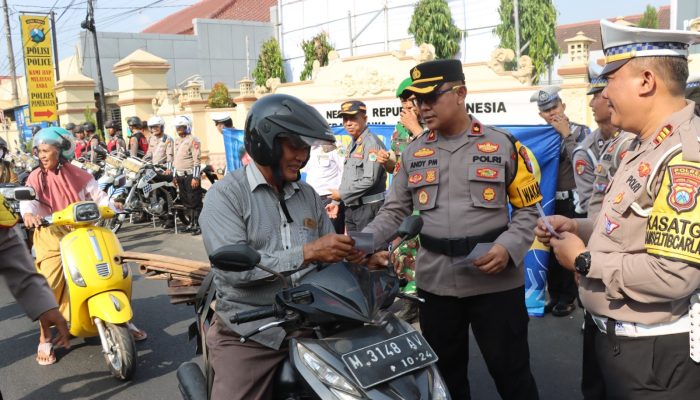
116 144
80 142
187 169
7 169
95 147
70 127
266 206
138 145
160 145
58 184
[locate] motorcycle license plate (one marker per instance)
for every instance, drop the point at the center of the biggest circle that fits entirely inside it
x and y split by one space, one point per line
388 359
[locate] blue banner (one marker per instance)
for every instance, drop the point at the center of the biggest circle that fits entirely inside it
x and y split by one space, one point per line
543 142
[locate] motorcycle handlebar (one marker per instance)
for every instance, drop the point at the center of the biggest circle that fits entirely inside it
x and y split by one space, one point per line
253 315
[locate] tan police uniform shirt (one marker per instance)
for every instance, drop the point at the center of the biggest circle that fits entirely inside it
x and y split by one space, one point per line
187 154
362 174
565 173
634 281
612 155
461 186
585 158
160 149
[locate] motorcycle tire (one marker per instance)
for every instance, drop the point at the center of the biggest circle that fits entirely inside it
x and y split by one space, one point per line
122 359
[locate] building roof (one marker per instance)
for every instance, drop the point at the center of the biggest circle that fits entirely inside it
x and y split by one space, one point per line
242 10
591 29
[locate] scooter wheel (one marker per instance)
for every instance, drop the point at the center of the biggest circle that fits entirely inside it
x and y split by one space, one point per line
122 357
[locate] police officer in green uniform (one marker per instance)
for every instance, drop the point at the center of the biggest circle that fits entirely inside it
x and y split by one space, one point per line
560 282
364 179
461 177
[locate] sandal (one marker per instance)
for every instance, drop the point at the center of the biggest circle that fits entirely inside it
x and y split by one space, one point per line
45 354
138 334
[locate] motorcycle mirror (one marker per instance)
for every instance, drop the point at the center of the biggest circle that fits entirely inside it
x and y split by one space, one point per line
24 193
410 226
235 257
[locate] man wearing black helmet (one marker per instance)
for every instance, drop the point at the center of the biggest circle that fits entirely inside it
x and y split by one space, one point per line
115 143
96 149
138 145
266 206
70 127
7 173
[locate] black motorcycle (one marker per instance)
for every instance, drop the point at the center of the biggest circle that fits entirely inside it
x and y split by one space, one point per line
360 351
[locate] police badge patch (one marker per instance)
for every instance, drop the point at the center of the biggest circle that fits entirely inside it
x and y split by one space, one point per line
581 167
610 225
685 182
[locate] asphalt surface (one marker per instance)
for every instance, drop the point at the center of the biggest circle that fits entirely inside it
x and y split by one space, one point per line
81 372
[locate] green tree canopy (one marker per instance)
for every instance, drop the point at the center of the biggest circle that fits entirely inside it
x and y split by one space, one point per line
538 21
269 63
650 19
219 97
315 49
432 23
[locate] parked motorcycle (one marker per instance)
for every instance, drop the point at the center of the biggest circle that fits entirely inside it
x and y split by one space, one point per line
360 351
99 289
112 182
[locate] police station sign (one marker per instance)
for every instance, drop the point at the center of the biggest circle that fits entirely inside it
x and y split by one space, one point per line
504 108
38 67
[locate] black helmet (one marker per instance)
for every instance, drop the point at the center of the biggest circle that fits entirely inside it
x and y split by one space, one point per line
281 114
79 129
134 121
35 129
89 127
70 126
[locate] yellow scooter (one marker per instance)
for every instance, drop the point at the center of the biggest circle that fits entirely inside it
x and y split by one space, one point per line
99 289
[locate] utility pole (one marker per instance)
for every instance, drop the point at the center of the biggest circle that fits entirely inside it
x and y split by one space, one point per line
89 24
516 13
10 54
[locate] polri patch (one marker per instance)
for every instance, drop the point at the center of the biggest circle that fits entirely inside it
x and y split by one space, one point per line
423 197
581 167
488 194
431 175
487 173
415 178
488 147
685 182
424 152
644 169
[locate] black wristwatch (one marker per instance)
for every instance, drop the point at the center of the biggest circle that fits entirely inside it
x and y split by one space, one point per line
582 263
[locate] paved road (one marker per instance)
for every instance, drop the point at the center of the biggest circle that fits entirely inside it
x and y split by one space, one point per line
81 373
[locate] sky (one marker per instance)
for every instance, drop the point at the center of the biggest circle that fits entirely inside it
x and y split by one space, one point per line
136 15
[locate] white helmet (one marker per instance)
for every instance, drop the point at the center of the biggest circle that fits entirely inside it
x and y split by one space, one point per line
183 120
155 120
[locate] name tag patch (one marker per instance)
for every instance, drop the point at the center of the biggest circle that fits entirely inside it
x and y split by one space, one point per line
487 173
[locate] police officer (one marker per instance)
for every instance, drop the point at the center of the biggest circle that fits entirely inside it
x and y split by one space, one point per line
222 120
692 91
364 179
138 145
641 264
407 129
587 155
70 127
115 144
560 282
461 177
186 164
160 145
95 147
7 170
80 143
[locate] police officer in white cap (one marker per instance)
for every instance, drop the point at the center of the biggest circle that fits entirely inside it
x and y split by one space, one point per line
639 260
560 282
222 120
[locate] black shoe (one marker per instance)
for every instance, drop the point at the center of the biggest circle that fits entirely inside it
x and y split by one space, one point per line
169 224
563 309
549 306
196 231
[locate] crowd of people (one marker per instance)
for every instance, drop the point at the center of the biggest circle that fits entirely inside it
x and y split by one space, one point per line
624 238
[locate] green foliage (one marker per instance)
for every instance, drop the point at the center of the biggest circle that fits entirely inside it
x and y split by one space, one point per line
432 23
269 63
89 116
219 97
315 49
650 18
538 21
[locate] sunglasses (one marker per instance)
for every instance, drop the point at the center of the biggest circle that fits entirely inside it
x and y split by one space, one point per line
432 97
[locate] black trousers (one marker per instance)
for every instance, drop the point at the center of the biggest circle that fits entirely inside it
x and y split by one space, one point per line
191 198
339 221
560 281
592 383
648 368
499 323
357 217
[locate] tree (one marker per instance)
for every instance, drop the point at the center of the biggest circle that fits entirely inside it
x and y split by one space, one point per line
316 49
650 18
219 97
269 63
538 21
432 23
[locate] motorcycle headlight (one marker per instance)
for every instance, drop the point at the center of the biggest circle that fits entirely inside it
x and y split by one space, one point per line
75 275
87 212
439 388
341 387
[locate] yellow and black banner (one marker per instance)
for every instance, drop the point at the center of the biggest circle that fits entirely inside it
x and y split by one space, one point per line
39 67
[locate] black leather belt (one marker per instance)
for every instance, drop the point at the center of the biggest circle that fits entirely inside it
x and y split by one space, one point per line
458 247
